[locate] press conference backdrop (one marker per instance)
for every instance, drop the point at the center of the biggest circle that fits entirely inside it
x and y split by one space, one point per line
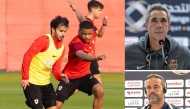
178 88
180 19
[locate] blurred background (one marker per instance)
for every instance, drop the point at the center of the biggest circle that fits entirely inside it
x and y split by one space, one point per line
135 11
22 21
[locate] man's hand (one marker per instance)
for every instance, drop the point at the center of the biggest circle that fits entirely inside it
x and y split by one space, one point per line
65 59
64 78
101 57
73 7
105 20
69 1
24 84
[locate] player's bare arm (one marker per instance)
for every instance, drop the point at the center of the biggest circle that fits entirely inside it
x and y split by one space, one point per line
79 15
89 58
101 31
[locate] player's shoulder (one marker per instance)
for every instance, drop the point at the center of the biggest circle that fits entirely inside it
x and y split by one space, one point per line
132 46
183 49
42 38
174 107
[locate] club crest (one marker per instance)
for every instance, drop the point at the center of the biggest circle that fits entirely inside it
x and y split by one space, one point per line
60 87
173 64
36 101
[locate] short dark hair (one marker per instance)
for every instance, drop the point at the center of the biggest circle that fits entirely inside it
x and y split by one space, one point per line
94 4
86 25
59 20
163 82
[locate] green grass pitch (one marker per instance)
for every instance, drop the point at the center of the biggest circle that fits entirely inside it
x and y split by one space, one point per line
12 96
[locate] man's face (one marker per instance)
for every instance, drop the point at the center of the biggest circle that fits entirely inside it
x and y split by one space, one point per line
86 34
59 32
96 12
154 90
157 25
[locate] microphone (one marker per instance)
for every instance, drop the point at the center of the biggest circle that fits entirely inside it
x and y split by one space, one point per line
148 107
161 42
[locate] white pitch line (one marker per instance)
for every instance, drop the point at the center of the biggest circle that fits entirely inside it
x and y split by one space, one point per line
10 88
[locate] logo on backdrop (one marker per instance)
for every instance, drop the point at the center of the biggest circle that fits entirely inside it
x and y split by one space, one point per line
135 7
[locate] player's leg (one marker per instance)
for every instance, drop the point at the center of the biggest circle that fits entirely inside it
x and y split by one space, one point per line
94 69
53 107
49 97
59 104
75 91
33 97
98 92
64 91
98 77
92 86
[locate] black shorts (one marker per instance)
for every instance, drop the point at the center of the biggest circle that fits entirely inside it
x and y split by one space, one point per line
84 84
38 96
94 68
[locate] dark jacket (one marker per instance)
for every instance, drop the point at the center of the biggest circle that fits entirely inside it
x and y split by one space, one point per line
165 106
178 56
